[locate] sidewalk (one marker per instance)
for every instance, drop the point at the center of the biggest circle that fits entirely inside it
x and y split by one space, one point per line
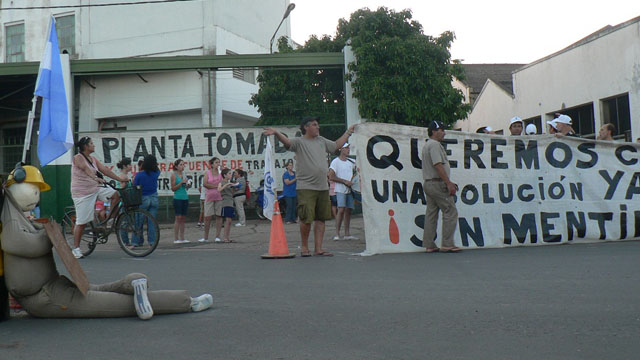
255 235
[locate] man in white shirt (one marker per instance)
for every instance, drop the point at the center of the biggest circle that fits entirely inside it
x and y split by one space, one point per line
341 172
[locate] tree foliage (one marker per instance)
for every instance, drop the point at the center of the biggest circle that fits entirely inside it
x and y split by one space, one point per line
401 75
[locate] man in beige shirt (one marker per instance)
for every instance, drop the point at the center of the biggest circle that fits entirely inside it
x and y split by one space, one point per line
439 191
312 189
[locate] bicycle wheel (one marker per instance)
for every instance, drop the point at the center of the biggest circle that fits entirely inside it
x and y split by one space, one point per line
88 239
138 232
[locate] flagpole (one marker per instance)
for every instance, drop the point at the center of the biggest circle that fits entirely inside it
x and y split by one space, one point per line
27 135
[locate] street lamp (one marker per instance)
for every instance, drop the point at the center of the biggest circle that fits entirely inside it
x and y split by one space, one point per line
286 14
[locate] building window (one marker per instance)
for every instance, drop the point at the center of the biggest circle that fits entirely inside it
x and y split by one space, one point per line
582 120
248 75
12 146
66 29
616 111
15 43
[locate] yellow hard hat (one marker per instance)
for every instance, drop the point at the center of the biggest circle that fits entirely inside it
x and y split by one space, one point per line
29 174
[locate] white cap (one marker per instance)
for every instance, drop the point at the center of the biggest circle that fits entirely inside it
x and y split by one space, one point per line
531 129
553 123
515 119
564 119
345 145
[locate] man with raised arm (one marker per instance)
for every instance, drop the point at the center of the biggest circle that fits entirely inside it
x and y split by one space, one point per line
314 205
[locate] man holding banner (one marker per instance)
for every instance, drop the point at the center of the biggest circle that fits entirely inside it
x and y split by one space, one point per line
313 190
439 191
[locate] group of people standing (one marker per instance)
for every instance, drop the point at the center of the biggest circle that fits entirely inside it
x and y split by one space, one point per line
224 193
561 125
306 191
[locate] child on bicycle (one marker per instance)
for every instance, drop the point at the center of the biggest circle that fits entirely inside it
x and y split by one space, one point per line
226 188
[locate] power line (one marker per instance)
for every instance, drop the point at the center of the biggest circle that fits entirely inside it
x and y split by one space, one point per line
92 5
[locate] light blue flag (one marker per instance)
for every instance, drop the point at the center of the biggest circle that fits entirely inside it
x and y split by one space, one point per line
55 137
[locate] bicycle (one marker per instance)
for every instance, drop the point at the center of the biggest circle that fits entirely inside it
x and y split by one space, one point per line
130 223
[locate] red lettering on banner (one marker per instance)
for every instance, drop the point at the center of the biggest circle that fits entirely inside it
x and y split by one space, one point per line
224 164
163 166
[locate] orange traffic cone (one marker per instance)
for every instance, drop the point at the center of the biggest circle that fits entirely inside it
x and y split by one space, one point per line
278 248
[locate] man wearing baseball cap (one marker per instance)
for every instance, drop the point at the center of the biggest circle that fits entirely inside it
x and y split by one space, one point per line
439 191
531 129
314 206
563 125
515 126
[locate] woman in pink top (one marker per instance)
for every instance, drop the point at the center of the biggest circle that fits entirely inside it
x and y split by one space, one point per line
86 176
213 199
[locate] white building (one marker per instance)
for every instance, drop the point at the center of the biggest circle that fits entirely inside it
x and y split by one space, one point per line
189 99
595 81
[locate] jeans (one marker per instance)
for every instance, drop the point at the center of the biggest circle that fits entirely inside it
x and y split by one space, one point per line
149 203
290 214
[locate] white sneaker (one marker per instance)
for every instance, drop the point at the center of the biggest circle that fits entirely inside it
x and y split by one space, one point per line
240 224
185 241
177 241
202 302
77 253
140 299
218 239
336 238
350 237
203 240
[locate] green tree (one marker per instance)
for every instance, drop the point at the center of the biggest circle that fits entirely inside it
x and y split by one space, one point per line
401 76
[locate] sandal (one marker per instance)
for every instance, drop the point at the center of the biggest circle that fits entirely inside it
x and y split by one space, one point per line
228 241
305 253
454 249
432 250
324 253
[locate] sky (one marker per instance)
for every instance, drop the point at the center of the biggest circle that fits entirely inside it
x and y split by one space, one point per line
487 31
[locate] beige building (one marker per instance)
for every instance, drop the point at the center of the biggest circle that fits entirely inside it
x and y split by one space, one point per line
595 81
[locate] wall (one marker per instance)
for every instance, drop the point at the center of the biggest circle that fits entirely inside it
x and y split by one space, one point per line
129 96
232 95
254 21
464 124
494 107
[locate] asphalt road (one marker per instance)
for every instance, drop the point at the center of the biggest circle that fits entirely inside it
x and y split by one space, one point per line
547 302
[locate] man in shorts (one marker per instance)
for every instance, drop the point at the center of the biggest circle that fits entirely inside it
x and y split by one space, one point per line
311 170
341 171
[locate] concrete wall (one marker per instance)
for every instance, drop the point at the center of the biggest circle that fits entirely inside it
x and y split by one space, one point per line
495 109
180 28
184 99
232 95
604 66
462 125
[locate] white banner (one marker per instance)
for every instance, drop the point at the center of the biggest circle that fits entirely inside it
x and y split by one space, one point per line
237 148
514 190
